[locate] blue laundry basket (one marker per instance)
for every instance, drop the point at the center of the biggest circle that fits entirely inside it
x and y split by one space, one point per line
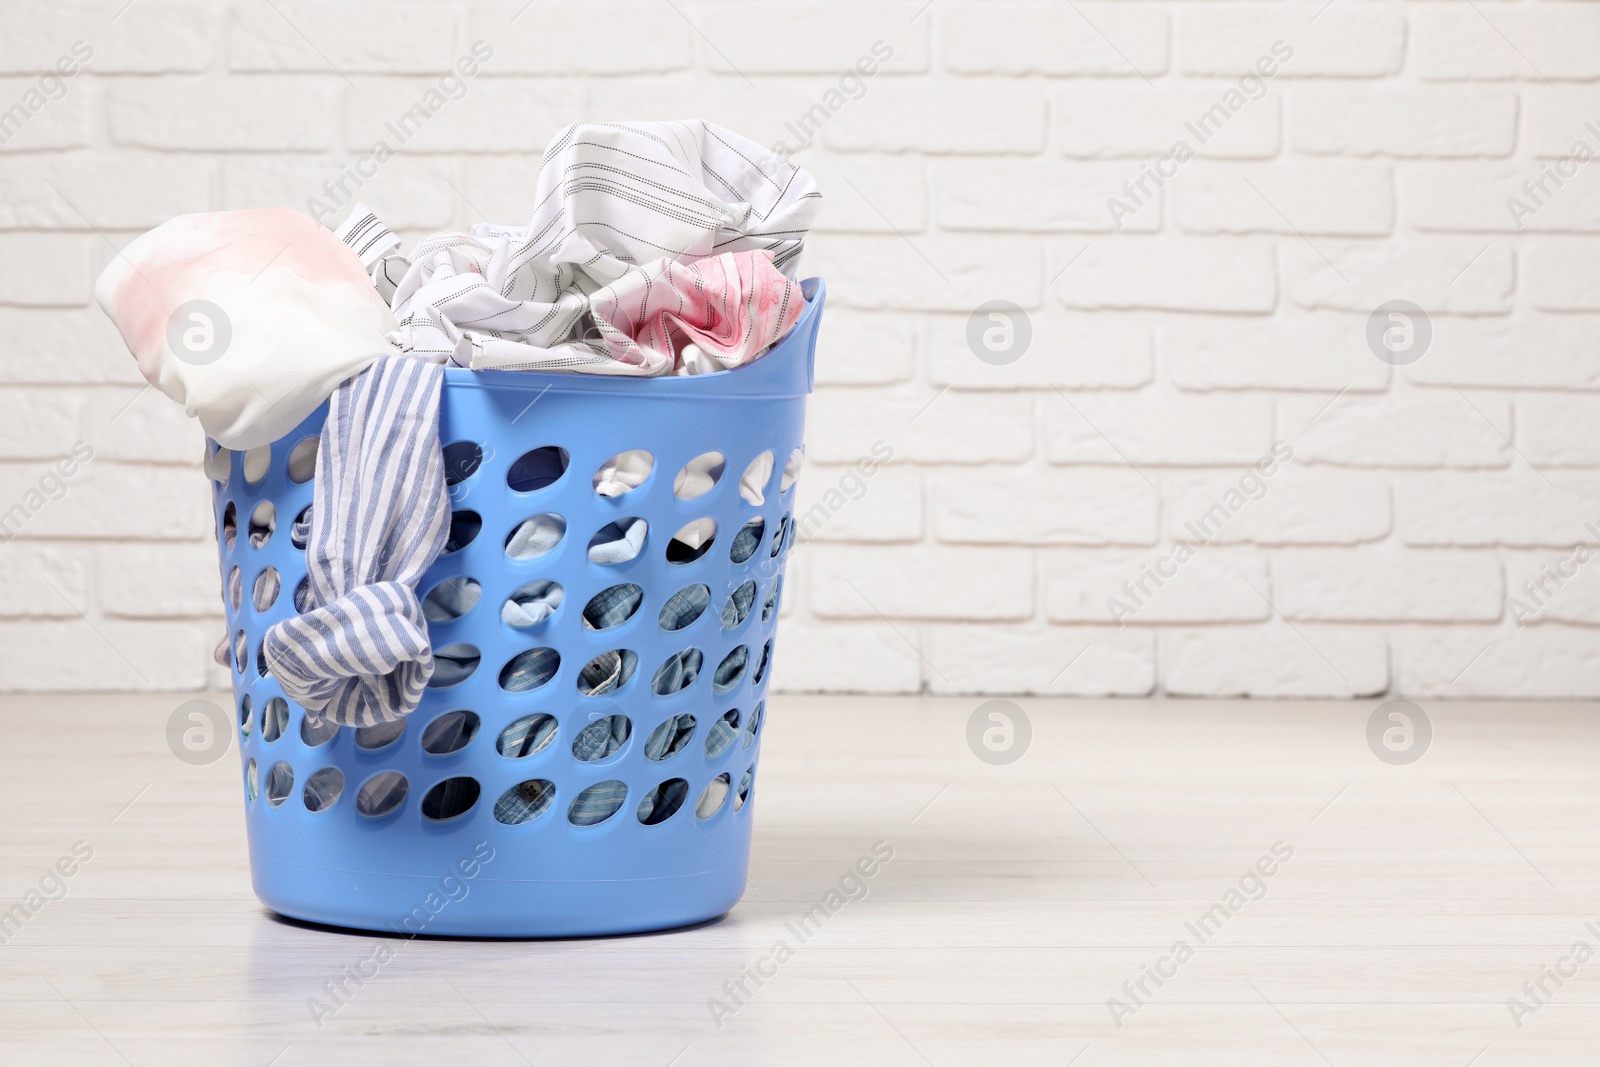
459 820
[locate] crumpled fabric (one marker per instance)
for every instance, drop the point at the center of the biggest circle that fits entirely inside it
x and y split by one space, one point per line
531 604
623 472
361 655
619 209
298 315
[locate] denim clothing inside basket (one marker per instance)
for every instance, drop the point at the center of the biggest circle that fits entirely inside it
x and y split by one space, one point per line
534 537
670 738
525 801
618 542
684 607
601 738
529 670
612 606
531 604
597 803
737 609
677 671
362 655
607 672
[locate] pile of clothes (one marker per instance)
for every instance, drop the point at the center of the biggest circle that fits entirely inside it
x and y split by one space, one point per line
661 248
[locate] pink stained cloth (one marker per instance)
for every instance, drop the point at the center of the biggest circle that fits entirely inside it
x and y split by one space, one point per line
249 319
730 307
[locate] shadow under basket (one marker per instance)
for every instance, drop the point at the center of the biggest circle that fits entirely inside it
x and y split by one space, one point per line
557 779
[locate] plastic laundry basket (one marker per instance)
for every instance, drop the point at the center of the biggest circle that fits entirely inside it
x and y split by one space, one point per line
506 859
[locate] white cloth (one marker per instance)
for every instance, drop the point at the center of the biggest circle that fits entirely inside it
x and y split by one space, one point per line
289 314
612 201
623 472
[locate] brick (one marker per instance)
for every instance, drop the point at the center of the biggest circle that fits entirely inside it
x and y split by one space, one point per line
106 656
57 119
864 348
162 580
1464 662
141 425
1053 661
1320 352
146 38
1069 350
101 192
1165 274
1501 197
942 118
769 112
106 500
555 39
1560 275
63 346
39 423
1299 506
1497 353
1143 123
1275 661
1385 583
1092 506
1555 118
1475 508
1169 584
1555 585
43 581
1038 196
1146 430
1506 42
818 38
1104 39
865 502
938 272
407 192
921 582
845 424
352 37
1422 429
877 194
495 115
251 113
1415 122
1324 197
1345 42
1441 277
846 657
45 270
1558 431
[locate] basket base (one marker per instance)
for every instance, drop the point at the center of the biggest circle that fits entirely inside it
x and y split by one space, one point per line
486 907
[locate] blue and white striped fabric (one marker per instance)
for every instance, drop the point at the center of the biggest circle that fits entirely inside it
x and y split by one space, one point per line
359 653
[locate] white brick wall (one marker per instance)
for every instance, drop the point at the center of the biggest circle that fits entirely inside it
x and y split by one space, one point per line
1031 506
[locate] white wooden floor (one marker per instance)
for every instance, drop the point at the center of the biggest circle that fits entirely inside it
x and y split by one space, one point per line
1417 901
